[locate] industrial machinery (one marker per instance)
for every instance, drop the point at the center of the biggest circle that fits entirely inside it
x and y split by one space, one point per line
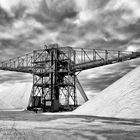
55 70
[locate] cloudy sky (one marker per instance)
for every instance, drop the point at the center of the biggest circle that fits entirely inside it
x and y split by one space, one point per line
102 24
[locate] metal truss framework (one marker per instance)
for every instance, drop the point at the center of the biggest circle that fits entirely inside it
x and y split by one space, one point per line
54 72
53 81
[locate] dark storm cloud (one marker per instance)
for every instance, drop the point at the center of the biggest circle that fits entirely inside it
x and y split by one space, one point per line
107 24
53 16
5 18
50 14
96 4
19 10
132 29
62 21
57 16
68 33
99 32
113 44
104 30
55 11
11 48
19 41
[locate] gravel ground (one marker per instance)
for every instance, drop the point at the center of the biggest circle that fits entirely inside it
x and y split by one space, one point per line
24 125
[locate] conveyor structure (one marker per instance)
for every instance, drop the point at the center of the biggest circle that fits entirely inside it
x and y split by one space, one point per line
55 69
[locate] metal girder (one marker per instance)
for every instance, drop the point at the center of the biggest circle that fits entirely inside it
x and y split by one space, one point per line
53 82
92 58
19 64
85 59
54 72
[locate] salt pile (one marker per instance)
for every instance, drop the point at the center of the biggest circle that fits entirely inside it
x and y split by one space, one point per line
3 105
16 96
121 99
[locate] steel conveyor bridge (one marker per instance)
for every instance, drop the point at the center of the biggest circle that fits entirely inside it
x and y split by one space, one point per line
54 71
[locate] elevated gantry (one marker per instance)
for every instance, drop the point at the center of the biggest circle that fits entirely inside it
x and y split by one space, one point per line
55 69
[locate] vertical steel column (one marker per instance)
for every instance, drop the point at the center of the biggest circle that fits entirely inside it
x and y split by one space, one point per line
118 55
81 55
33 90
106 56
43 96
94 55
51 53
54 78
75 98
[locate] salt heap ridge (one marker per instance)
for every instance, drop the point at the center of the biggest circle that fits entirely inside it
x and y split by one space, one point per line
120 100
16 96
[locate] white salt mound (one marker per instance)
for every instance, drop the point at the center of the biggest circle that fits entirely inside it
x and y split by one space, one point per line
120 100
4 106
16 96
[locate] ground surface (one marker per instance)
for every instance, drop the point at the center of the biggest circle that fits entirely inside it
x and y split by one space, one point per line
23 125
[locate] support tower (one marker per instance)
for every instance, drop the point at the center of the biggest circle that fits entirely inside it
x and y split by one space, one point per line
54 84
